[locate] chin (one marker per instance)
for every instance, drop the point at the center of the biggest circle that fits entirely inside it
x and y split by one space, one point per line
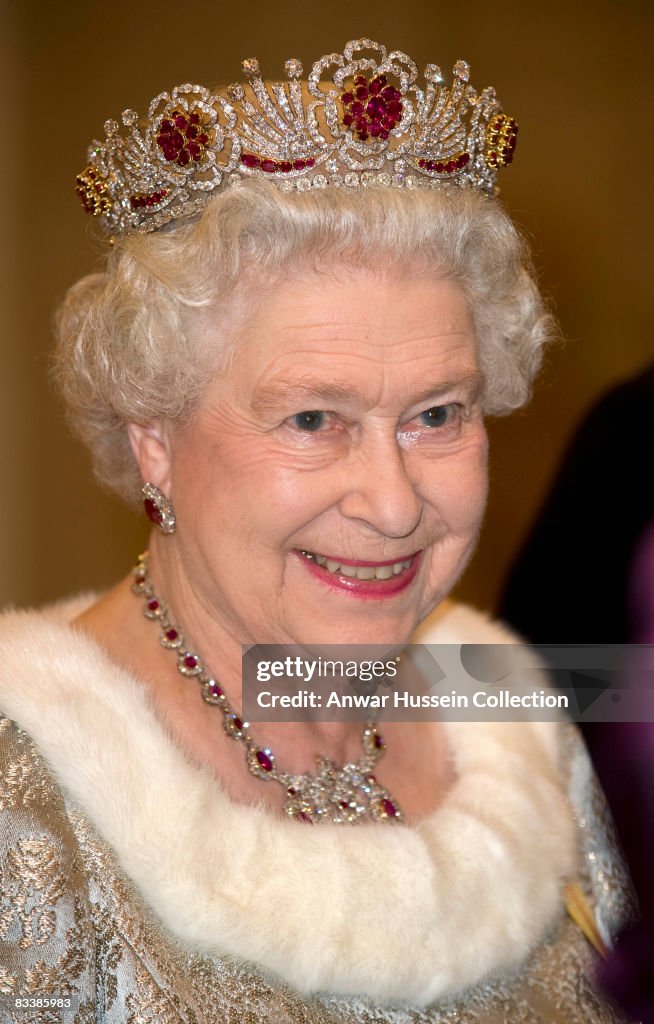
384 630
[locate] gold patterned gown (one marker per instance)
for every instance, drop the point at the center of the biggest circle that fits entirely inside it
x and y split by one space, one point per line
78 916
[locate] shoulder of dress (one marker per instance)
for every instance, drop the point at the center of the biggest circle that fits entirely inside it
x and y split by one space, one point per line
604 870
46 930
27 787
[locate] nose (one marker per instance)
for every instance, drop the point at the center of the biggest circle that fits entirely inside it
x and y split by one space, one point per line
379 490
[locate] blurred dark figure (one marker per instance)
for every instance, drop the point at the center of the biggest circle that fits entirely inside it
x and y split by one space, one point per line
586 575
569 583
626 766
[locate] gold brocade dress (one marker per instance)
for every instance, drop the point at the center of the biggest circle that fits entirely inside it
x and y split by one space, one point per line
72 921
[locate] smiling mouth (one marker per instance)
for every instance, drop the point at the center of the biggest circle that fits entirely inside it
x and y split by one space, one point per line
360 570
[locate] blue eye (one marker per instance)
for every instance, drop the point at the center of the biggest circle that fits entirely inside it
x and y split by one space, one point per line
436 416
309 421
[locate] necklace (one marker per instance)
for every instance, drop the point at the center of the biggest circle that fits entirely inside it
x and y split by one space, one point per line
341 794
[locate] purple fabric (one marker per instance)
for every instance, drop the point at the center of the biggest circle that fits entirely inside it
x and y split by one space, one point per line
626 768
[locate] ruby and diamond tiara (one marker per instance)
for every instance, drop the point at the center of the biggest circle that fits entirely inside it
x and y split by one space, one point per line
360 119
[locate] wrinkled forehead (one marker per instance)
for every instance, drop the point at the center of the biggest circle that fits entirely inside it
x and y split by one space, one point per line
351 336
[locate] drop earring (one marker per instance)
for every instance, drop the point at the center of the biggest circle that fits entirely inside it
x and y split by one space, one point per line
158 508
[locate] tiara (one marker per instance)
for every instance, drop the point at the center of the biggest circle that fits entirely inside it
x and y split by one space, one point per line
361 118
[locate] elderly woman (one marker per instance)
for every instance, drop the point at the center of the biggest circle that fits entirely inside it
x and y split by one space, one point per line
311 302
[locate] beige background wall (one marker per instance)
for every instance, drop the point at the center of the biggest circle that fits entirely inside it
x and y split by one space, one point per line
576 75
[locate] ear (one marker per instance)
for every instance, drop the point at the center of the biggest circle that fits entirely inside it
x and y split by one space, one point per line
151 451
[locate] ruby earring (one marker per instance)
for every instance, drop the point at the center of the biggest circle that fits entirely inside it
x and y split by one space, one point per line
158 508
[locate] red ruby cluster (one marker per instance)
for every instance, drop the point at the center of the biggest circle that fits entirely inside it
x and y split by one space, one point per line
275 166
372 108
152 199
501 138
182 138
445 166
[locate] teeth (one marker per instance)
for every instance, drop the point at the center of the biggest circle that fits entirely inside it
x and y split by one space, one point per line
367 572
362 572
348 570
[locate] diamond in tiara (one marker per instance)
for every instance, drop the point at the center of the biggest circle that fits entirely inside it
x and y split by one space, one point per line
293 68
361 118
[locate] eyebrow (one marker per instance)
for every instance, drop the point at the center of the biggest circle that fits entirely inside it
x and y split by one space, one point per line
311 389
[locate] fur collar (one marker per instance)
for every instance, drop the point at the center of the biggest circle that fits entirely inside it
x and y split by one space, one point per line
398 914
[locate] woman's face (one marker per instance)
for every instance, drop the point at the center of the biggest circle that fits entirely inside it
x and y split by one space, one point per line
331 486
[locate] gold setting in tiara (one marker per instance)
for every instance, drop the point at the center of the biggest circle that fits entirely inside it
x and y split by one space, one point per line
361 118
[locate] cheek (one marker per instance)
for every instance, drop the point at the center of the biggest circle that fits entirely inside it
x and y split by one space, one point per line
249 487
457 488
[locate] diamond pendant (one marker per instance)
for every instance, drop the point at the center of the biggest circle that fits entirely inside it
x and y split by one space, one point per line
341 795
